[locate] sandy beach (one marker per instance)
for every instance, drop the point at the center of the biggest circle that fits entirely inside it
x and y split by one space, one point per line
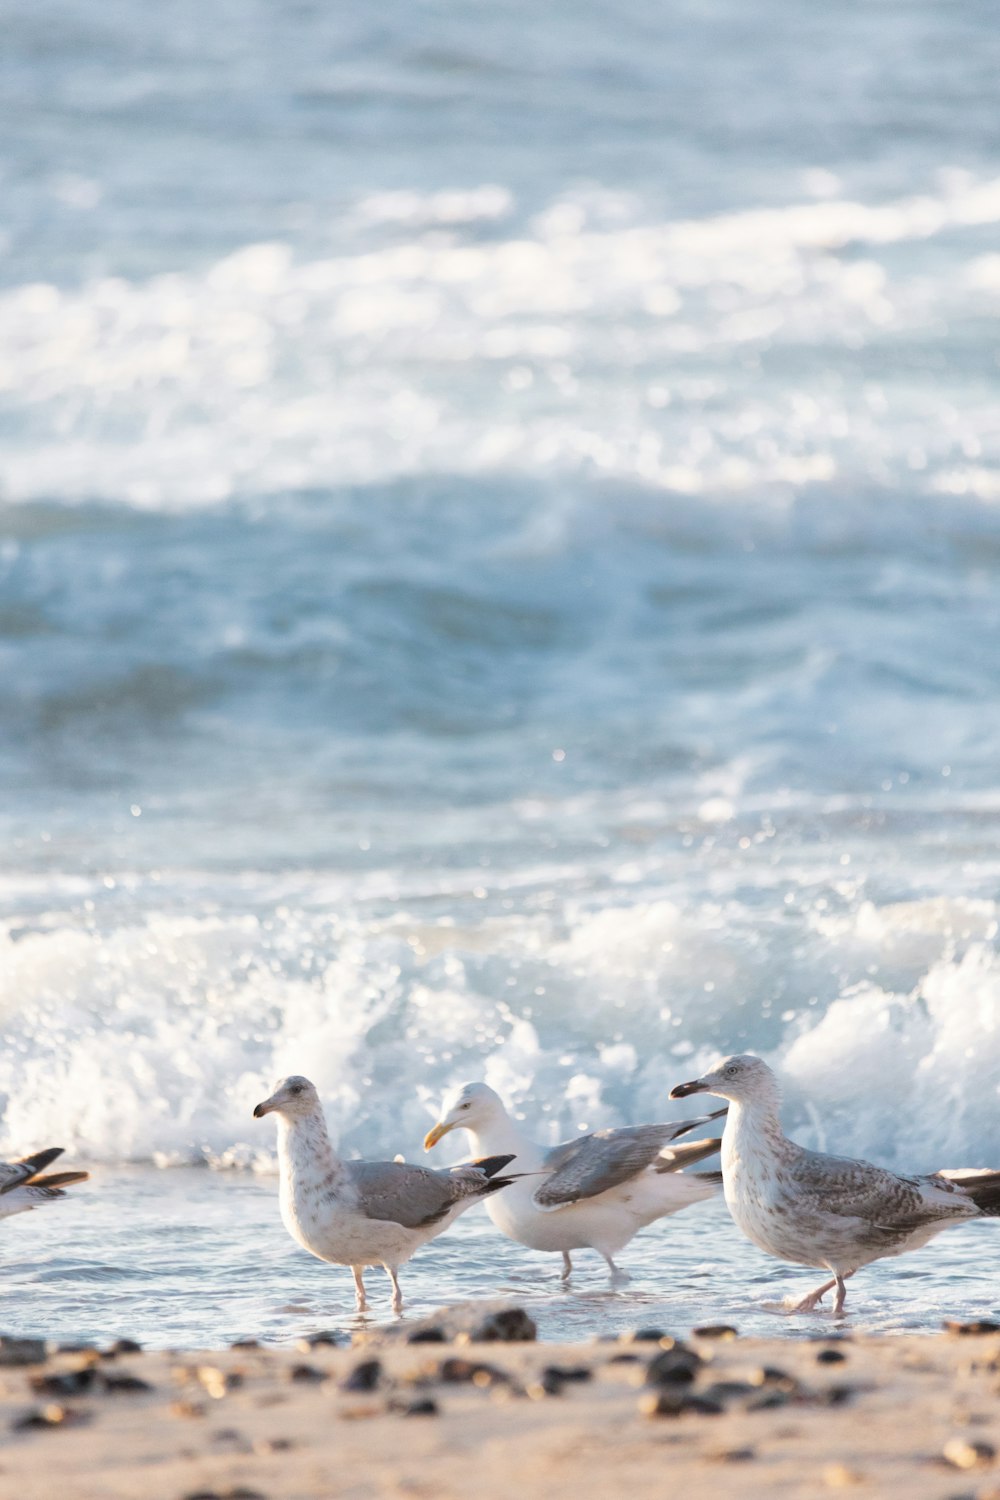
390 1416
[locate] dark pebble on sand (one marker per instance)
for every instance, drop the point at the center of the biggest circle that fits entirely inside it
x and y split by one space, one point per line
976 1326
68 1383
122 1346
569 1372
676 1366
668 1403
716 1331
239 1493
125 1385
511 1325
306 1373
50 1416
427 1336
644 1336
245 1344
364 1377
424 1406
830 1357
22 1352
458 1371
331 1337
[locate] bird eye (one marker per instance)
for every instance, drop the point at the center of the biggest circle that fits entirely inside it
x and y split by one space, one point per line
467 1104
296 1088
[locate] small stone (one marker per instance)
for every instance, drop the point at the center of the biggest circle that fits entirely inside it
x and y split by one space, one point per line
962 1454
732 1455
122 1346
68 1383
327 1337
511 1325
722 1331
831 1357
306 1373
364 1377
774 1378
841 1476
264 1446
53 1415
22 1352
769 1400
728 1390
124 1385
676 1403
245 1344
676 1366
424 1406
427 1336
976 1326
568 1372
644 1336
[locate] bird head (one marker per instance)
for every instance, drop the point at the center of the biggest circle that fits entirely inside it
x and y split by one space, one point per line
292 1097
743 1078
470 1107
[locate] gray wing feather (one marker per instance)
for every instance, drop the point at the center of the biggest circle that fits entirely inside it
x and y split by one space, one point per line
889 1204
594 1163
407 1194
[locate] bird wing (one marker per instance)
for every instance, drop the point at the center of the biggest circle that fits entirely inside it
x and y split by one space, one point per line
890 1205
416 1196
13 1173
606 1158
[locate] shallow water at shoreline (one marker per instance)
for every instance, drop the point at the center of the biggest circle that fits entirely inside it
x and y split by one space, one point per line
192 1259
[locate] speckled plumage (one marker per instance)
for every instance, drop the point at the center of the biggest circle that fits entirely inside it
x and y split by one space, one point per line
818 1210
356 1213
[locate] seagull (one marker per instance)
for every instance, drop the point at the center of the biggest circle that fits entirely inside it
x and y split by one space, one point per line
818 1210
594 1192
21 1188
363 1213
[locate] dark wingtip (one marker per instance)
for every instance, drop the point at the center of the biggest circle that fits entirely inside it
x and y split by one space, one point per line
491 1165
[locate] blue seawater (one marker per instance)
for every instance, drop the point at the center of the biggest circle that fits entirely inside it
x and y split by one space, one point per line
499 577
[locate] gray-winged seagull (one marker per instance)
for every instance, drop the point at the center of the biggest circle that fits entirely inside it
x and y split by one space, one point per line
594 1192
363 1213
818 1210
22 1188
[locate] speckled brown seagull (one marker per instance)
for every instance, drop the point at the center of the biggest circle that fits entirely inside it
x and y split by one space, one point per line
21 1187
818 1210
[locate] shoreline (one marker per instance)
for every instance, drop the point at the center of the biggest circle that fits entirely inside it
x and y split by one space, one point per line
406 1410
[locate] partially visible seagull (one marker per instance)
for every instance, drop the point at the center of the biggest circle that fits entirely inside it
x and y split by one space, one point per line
594 1192
363 1213
818 1210
21 1188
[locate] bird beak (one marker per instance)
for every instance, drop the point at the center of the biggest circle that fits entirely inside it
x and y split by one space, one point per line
696 1086
433 1136
265 1108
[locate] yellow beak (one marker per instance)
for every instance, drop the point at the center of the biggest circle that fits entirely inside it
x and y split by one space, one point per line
433 1136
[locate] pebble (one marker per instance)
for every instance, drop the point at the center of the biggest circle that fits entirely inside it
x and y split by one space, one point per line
722 1331
22 1352
676 1366
427 1336
511 1325
53 1415
122 1346
962 1454
830 1357
364 1377
124 1385
305 1373
424 1406
675 1403
976 1326
68 1383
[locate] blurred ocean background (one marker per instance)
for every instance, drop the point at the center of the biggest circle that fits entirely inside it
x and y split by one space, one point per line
499 577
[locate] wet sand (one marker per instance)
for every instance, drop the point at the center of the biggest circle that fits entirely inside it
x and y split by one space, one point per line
912 1415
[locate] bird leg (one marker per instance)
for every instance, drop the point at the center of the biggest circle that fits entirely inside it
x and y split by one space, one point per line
838 1306
361 1301
809 1302
618 1276
567 1269
397 1296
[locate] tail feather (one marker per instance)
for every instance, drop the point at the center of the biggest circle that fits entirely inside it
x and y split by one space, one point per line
56 1180
981 1186
688 1154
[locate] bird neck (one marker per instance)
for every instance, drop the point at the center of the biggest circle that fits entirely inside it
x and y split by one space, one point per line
306 1158
500 1135
753 1129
